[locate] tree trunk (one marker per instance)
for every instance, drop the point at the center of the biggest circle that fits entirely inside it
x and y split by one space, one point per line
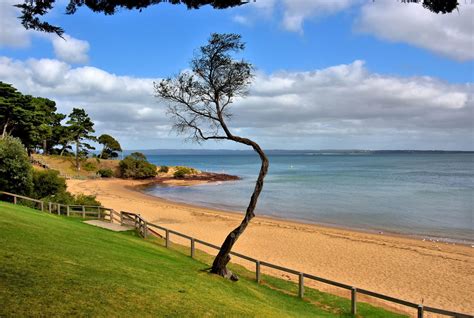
77 156
219 265
45 146
5 129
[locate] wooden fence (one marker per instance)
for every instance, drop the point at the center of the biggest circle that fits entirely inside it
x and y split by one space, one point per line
145 228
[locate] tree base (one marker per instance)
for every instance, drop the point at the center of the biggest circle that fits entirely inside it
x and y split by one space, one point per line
219 267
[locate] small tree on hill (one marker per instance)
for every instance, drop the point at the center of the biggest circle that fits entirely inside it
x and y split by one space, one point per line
80 129
136 166
199 103
111 146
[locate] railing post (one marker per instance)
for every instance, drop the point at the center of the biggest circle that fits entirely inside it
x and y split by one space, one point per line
111 215
83 212
68 209
257 271
420 311
50 207
14 199
167 238
192 247
42 206
145 230
98 213
353 301
301 285
59 209
121 218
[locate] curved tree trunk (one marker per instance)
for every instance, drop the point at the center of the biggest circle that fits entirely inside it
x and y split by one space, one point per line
219 265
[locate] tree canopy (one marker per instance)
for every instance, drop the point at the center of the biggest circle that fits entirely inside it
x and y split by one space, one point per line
81 128
32 10
111 146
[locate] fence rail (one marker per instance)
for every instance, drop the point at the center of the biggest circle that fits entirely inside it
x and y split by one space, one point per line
144 229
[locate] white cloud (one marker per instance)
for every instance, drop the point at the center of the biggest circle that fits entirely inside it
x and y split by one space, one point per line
71 50
13 34
297 11
451 35
344 106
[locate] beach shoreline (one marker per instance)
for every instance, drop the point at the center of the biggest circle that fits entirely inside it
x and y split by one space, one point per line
392 264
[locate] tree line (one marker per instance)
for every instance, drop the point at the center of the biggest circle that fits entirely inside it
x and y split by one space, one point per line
41 128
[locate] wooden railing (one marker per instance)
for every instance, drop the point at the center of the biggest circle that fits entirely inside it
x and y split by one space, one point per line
145 228
84 211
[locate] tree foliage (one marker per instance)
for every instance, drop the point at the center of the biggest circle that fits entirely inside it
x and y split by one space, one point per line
110 146
32 10
199 102
136 166
15 168
47 183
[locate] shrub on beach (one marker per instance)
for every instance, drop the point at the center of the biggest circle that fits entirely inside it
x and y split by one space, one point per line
136 166
183 171
105 173
89 166
16 174
164 169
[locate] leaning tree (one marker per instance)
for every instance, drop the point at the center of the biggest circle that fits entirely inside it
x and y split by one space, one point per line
199 103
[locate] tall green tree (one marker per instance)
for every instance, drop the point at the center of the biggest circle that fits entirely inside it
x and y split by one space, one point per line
15 109
81 128
110 146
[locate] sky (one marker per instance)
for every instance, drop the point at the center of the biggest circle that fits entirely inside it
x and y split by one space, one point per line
347 74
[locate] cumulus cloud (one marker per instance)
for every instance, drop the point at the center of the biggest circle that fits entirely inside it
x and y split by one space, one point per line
13 34
70 49
450 35
344 106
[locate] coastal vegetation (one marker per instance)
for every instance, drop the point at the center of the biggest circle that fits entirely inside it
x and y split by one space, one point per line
199 102
136 166
97 272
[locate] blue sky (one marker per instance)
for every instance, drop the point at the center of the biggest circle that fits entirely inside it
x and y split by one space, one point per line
386 42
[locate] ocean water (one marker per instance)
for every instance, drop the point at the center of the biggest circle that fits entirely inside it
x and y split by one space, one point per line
422 194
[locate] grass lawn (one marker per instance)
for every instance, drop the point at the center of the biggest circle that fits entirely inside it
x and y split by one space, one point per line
59 266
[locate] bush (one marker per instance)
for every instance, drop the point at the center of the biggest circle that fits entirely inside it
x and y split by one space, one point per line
164 169
46 183
181 172
15 168
89 166
83 199
70 199
136 166
105 173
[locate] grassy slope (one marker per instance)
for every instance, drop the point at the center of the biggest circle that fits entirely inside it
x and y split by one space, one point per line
57 266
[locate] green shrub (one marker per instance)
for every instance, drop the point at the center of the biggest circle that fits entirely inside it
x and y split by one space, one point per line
89 166
69 199
183 171
105 173
83 199
16 174
136 166
46 183
164 169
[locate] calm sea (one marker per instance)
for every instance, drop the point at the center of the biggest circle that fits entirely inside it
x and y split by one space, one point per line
429 195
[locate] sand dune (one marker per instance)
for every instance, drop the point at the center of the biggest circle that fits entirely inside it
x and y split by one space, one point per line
437 274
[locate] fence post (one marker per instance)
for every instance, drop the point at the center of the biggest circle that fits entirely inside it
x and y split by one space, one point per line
167 238
301 285
42 206
68 209
420 311
192 247
98 213
111 215
257 271
145 230
59 209
83 212
14 199
121 218
353 301
49 207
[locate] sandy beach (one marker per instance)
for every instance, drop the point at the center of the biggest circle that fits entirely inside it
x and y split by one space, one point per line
437 274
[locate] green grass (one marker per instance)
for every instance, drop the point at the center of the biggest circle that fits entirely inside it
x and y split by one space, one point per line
55 266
